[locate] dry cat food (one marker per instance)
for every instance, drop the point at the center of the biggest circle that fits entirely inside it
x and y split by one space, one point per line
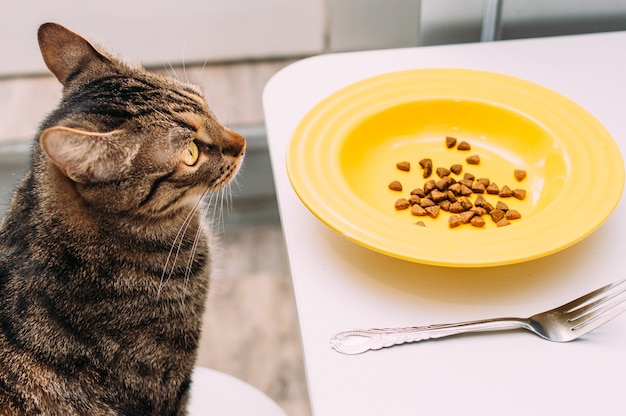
402 203
395 186
519 194
427 165
442 172
450 194
405 166
464 146
473 160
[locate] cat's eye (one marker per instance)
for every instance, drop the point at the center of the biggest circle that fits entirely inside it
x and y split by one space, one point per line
191 154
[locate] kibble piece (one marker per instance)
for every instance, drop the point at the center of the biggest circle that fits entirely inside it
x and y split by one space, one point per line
505 192
480 201
456 208
420 223
488 207
479 211
427 165
478 187
438 196
426 202
405 166
484 181
465 203
426 162
492 189
519 193
467 182
456 169
449 181
441 184
503 223
477 221
502 206
519 174
429 186
441 172
419 192
456 188
445 205
433 211
464 146
512 215
468 176
466 191
496 215
466 217
402 203
418 211
414 199
450 142
451 196
473 160
454 221
395 186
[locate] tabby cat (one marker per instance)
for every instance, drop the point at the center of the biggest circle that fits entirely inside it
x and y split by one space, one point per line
104 258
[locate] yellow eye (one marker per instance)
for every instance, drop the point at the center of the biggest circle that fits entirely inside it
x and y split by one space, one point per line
191 154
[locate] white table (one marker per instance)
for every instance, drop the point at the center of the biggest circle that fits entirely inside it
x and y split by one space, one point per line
340 285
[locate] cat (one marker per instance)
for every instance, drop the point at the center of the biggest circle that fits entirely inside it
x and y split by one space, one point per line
104 252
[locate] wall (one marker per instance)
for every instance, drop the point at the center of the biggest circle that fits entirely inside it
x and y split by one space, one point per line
161 32
165 32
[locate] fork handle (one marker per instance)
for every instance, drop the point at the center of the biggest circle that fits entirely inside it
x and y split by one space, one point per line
361 340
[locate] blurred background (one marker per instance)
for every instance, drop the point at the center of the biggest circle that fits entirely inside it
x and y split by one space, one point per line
232 48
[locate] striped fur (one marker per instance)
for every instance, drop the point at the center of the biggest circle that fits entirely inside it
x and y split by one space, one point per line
104 259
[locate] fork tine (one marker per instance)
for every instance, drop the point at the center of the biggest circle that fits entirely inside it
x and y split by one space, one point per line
592 310
580 304
599 317
583 310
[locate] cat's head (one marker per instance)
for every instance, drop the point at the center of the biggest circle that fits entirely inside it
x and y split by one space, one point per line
126 139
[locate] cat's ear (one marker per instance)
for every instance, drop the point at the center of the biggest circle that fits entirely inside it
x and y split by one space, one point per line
87 157
66 53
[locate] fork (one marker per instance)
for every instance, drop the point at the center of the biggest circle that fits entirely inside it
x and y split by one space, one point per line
562 324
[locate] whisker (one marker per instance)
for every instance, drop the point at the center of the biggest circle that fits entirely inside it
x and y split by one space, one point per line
204 64
219 208
212 205
214 210
176 247
196 239
188 34
168 67
225 202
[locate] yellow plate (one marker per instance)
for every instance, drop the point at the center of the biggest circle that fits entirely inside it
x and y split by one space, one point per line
344 152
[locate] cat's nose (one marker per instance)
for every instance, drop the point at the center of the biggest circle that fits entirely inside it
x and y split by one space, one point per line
234 144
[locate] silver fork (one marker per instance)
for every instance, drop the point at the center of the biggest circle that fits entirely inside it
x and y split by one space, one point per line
562 324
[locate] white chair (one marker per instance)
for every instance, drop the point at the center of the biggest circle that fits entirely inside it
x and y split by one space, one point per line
218 394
